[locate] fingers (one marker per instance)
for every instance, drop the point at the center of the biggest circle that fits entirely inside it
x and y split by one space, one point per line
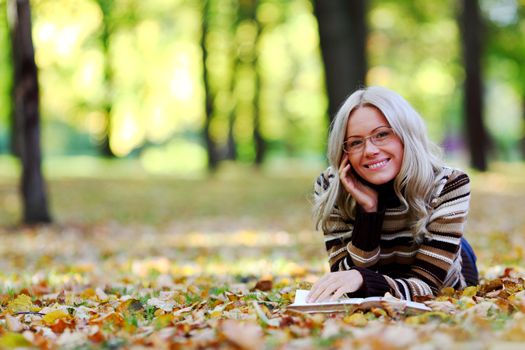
343 167
338 293
323 289
322 293
334 285
317 289
348 180
343 161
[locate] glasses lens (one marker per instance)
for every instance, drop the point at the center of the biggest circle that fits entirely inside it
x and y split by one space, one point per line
379 138
382 136
353 144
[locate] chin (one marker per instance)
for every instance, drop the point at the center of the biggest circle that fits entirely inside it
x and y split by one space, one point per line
379 179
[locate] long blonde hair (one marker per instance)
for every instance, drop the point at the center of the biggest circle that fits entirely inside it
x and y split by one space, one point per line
421 159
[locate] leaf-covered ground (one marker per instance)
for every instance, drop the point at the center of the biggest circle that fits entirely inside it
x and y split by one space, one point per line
169 263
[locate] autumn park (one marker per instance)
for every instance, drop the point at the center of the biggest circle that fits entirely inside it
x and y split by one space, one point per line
160 161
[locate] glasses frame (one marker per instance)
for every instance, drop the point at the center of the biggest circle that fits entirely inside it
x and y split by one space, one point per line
371 137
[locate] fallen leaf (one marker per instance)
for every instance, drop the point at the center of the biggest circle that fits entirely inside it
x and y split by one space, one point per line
263 317
356 319
51 317
22 303
62 324
101 295
11 340
264 285
14 324
470 291
166 305
448 291
245 335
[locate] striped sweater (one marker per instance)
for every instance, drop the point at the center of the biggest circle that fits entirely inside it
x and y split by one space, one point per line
381 247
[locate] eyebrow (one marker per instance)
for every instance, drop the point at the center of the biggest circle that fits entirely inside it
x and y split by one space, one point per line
380 126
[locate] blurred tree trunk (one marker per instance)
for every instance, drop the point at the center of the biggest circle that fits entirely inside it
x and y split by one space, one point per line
211 147
523 137
260 142
250 11
342 32
106 7
231 147
231 144
472 30
26 113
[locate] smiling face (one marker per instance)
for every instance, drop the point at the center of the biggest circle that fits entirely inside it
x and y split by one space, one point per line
375 164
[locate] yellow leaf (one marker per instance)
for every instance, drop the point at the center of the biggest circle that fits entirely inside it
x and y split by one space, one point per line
357 319
448 291
22 303
13 340
163 320
413 320
378 312
88 293
445 299
52 316
159 312
470 291
283 282
216 314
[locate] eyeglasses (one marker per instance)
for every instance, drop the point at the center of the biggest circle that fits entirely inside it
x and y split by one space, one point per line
380 137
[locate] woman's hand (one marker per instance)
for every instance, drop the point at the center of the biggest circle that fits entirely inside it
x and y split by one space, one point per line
365 196
334 284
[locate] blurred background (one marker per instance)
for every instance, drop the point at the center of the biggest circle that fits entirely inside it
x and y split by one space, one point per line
173 146
183 89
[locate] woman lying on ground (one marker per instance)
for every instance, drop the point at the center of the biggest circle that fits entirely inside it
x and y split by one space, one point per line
392 213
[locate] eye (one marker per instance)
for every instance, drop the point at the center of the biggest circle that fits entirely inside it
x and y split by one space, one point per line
382 134
354 143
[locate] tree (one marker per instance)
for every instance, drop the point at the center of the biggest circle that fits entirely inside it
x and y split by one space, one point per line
26 113
106 7
471 30
211 147
248 51
342 32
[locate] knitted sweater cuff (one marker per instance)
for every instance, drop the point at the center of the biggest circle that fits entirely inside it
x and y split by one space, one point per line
367 229
374 284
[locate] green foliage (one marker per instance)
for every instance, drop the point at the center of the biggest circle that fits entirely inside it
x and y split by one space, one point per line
505 51
156 67
414 49
5 78
142 60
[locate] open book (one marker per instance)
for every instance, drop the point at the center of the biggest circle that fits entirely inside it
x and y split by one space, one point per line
352 304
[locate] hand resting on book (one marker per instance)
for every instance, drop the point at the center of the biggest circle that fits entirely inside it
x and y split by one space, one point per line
390 304
334 285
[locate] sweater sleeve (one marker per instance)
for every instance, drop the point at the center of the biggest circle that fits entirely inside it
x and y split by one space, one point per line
437 264
364 247
349 242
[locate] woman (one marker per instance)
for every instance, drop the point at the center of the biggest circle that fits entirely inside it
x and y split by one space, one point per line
392 213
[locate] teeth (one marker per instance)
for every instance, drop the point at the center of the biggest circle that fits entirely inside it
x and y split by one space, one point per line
377 165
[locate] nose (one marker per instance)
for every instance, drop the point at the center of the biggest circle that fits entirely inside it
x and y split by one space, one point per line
370 148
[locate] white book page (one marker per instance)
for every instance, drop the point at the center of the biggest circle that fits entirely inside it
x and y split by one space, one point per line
301 294
417 305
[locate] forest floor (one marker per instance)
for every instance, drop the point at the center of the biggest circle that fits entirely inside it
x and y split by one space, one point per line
212 263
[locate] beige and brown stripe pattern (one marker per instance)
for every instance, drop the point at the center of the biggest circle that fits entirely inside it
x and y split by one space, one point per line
409 269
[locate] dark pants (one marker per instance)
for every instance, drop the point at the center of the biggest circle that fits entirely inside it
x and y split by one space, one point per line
469 269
